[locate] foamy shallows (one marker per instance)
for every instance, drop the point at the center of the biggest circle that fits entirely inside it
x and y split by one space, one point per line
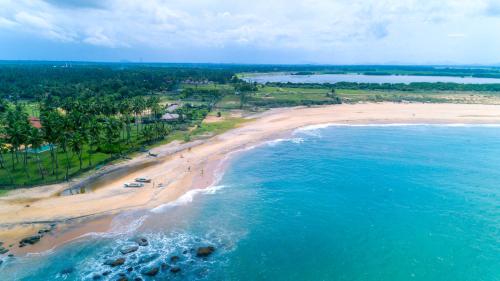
332 202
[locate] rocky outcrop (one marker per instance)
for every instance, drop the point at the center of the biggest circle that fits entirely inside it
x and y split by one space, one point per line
151 271
148 258
30 240
141 241
175 269
3 250
129 249
115 262
205 251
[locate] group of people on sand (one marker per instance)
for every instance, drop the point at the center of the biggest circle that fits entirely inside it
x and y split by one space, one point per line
189 170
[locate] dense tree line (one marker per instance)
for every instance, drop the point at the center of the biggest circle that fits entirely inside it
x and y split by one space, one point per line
36 81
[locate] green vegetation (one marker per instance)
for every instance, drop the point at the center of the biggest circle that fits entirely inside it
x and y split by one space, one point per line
83 117
90 114
216 128
411 87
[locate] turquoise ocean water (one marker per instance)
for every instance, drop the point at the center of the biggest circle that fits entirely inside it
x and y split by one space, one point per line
336 203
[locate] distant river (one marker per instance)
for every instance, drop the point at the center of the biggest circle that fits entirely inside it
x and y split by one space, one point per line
341 203
360 78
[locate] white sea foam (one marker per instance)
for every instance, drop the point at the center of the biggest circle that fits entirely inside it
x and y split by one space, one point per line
313 130
187 198
277 141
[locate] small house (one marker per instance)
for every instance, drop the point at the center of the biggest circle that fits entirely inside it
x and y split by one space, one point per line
173 107
169 117
35 122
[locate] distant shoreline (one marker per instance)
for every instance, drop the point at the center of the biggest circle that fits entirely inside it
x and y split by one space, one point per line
195 165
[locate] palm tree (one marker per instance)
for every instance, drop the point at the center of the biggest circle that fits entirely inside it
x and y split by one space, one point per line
3 148
112 128
36 141
147 133
76 143
93 136
52 128
125 110
17 126
138 106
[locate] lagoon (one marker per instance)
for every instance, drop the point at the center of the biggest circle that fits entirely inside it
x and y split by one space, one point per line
361 78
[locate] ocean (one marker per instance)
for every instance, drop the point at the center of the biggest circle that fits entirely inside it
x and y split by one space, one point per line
376 202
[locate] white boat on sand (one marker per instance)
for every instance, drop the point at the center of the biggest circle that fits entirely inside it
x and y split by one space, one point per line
133 184
142 180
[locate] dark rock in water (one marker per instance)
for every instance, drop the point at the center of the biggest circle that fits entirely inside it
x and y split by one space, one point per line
129 249
174 259
184 252
30 240
130 269
137 279
3 250
11 255
116 262
175 269
152 271
96 276
106 273
148 258
1 261
164 266
205 251
43 230
67 270
141 241
123 278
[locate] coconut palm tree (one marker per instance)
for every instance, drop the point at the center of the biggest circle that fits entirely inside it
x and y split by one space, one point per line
125 110
3 148
52 128
138 106
93 136
36 141
75 143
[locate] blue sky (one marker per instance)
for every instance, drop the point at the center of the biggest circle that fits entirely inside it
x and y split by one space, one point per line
257 31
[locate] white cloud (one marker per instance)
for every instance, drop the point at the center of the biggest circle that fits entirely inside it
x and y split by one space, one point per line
98 38
456 35
6 23
321 29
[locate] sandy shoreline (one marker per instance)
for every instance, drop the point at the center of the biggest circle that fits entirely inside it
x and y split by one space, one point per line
181 168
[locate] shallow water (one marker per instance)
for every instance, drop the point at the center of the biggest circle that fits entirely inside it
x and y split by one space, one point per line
360 78
336 203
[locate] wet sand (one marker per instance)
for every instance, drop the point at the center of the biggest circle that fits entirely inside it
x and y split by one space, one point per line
182 167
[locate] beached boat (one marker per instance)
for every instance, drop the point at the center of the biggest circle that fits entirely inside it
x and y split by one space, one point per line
133 184
142 180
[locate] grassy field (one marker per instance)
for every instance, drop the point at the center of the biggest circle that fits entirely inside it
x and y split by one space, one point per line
19 176
429 96
285 96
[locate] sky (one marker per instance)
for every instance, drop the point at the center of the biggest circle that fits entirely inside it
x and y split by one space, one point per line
256 31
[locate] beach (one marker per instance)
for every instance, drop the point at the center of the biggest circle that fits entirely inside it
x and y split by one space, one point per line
180 168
